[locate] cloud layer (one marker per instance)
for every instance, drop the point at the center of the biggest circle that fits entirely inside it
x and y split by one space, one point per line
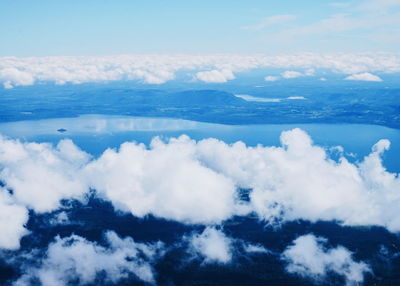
200 182
213 245
309 257
167 181
13 217
364 77
158 69
78 261
41 175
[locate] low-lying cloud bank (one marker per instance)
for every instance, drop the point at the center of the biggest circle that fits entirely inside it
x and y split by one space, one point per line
309 257
291 75
363 77
199 182
13 217
213 245
75 260
158 69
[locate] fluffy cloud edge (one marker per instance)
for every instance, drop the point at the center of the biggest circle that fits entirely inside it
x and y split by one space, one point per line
308 256
364 77
212 244
159 69
75 258
204 184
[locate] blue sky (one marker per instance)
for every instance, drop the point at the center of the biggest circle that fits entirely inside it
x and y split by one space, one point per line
54 27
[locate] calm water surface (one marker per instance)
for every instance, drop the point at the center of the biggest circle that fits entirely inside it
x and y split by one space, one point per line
95 133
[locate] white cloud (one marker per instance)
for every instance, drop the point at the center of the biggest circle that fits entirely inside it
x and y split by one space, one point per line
271 78
300 181
213 245
309 72
74 257
59 219
13 217
368 23
296 98
11 76
158 69
295 181
333 24
309 257
255 248
291 74
215 76
186 191
151 77
365 22
378 5
41 175
364 77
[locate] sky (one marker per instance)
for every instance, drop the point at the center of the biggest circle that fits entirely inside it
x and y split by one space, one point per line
101 27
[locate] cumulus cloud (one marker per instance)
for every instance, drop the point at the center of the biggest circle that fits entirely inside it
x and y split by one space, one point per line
255 248
74 259
158 69
291 74
309 72
308 256
13 217
36 176
364 77
198 181
215 76
40 175
186 191
213 245
11 76
60 218
300 181
271 78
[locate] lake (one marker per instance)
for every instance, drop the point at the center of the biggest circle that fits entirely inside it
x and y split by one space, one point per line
95 133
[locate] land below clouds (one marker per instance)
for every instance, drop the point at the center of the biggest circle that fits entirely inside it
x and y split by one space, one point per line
177 266
307 104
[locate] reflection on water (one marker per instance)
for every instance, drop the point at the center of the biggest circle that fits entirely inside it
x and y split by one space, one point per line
95 133
95 124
